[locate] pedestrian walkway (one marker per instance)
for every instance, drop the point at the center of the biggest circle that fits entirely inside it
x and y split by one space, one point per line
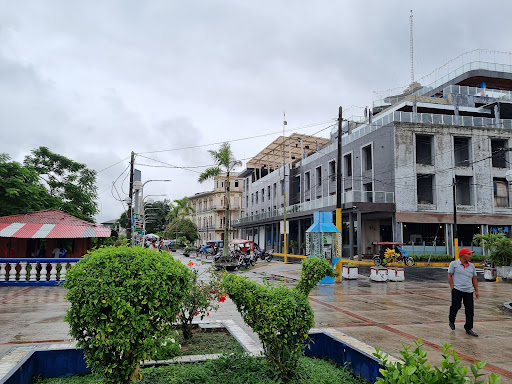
379 314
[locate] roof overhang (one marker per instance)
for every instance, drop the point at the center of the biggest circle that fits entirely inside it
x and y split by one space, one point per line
290 147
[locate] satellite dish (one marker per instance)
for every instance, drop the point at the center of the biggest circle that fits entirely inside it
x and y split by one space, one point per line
508 175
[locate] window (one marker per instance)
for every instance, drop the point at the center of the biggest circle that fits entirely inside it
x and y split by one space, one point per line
282 187
252 198
348 165
268 192
367 158
297 183
307 181
246 201
424 149
368 188
500 187
263 195
425 189
275 190
332 170
463 190
256 197
498 153
318 176
461 151
236 183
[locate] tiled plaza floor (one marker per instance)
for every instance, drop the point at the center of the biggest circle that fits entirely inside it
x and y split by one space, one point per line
379 314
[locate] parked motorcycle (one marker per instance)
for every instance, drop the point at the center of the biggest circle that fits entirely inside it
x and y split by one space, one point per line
266 255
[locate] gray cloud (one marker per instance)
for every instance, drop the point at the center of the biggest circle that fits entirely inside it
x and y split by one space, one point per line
97 80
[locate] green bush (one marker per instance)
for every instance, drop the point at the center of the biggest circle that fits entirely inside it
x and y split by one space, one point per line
203 297
502 254
281 316
123 302
439 258
414 368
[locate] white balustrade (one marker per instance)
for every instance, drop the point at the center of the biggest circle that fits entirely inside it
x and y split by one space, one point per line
2 271
63 271
23 271
53 272
33 271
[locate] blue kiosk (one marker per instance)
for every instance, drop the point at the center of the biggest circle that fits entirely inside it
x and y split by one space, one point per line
321 240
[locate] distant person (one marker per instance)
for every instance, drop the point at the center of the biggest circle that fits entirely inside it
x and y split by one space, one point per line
463 282
56 252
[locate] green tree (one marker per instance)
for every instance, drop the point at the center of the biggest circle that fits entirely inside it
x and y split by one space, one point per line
156 215
182 227
20 190
71 183
180 208
225 162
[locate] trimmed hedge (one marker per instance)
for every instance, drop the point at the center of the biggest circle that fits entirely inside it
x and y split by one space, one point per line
425 257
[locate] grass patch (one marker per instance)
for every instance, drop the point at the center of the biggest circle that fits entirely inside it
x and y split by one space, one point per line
206 341
237 368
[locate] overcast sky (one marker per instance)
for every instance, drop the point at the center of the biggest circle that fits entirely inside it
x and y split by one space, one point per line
95 80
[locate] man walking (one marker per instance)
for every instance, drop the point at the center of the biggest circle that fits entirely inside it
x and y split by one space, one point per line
463 282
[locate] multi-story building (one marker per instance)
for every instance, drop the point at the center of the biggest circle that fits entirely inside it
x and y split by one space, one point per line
403 168
209 209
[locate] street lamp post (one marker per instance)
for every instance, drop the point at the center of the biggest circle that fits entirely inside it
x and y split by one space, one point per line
140 186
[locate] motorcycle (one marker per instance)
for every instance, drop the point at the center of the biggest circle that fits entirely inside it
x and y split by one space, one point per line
266 255
403 256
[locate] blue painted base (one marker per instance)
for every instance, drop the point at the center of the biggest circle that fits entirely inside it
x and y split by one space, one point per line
69 362
32 283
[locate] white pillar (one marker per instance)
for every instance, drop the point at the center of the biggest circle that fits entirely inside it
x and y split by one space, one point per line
23 270
63 271
53 272
2 271
33 271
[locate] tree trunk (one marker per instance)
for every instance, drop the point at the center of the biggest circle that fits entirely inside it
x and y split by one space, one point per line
225 250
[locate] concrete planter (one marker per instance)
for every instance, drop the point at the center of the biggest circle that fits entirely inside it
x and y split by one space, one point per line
378 274
349 273
326 343
505 273
490 274
396 274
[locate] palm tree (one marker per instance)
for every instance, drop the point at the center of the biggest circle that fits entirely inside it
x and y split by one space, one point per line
488 241
182 207
225 162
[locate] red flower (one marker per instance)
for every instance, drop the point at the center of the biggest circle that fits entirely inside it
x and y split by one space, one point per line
190 263
197 313
222 298
212 291
207 313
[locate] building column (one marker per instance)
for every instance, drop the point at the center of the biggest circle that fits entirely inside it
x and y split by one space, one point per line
398 230
359 236
351 234
299 235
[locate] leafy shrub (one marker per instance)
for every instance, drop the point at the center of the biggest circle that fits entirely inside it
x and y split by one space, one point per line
123 302
447 258
414 368
281 316
502 254
202 297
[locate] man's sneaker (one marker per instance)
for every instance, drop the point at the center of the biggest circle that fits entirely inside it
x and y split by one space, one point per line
452 326
471 333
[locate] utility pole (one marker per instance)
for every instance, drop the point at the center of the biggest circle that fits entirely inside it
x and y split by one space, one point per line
339 193
284 195
455 234
130 195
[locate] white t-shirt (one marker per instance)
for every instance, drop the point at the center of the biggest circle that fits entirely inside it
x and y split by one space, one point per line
56 252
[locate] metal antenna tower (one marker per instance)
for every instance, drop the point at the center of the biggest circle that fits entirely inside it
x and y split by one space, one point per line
412 50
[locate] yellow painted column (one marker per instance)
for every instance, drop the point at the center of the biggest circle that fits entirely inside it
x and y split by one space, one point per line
339 246
456 242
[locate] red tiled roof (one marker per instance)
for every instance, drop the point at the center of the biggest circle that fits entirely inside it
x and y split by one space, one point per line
49 223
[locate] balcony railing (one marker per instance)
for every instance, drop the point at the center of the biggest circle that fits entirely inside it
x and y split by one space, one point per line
34 271
329 201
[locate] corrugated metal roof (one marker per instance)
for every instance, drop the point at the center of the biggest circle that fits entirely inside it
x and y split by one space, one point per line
49 224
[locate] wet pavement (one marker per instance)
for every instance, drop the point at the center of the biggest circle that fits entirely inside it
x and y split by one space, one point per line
379 314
